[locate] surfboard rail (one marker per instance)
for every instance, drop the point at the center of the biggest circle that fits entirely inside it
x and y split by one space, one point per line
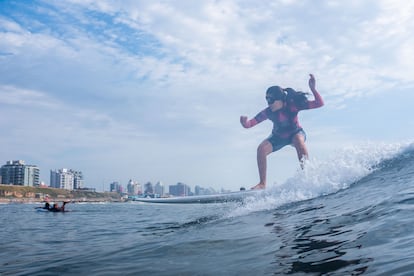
216 198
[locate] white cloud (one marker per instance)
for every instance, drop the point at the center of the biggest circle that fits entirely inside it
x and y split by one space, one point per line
11 95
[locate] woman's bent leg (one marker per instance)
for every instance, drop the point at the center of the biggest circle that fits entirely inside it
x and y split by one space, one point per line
264 149
299 143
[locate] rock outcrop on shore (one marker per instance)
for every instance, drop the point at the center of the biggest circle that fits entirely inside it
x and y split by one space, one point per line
14 193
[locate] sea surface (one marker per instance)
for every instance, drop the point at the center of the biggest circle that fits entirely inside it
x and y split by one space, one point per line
350 214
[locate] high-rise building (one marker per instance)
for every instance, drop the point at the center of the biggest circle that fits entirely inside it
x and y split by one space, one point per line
148 188
66 179
199 190
133 188
159 189
17 173
180 189
115 187
77 180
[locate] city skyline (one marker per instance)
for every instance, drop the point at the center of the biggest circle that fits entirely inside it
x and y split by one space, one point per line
69 179
155 90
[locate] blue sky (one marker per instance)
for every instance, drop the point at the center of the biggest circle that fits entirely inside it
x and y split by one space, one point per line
153 90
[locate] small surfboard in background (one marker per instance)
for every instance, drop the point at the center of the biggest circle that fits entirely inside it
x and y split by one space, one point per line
216 198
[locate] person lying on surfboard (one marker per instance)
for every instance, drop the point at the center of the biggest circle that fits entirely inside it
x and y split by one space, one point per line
46 207
56 207
282 110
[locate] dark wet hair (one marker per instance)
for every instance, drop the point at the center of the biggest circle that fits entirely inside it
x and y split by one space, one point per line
288 95
276 93
298 97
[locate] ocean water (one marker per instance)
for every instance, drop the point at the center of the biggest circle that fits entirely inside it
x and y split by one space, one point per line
351 214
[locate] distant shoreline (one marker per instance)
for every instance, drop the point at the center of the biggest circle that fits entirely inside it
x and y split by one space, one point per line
36 201
26 194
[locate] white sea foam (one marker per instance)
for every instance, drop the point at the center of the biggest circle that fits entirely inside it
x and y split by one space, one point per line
323 177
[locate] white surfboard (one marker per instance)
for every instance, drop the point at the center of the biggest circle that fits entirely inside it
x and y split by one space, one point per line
217 198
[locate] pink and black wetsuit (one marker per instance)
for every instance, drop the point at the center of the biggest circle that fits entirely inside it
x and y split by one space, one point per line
285 121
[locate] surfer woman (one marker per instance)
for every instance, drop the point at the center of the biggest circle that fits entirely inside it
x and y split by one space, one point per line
284 105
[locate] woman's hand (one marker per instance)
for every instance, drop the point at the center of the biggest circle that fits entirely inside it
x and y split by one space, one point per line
312 82
243 121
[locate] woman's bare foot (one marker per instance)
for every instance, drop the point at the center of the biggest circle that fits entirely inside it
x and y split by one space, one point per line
259 186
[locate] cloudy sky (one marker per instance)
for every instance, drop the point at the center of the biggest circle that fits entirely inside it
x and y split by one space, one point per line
153 90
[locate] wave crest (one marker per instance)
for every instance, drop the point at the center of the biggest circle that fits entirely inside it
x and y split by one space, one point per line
324 177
